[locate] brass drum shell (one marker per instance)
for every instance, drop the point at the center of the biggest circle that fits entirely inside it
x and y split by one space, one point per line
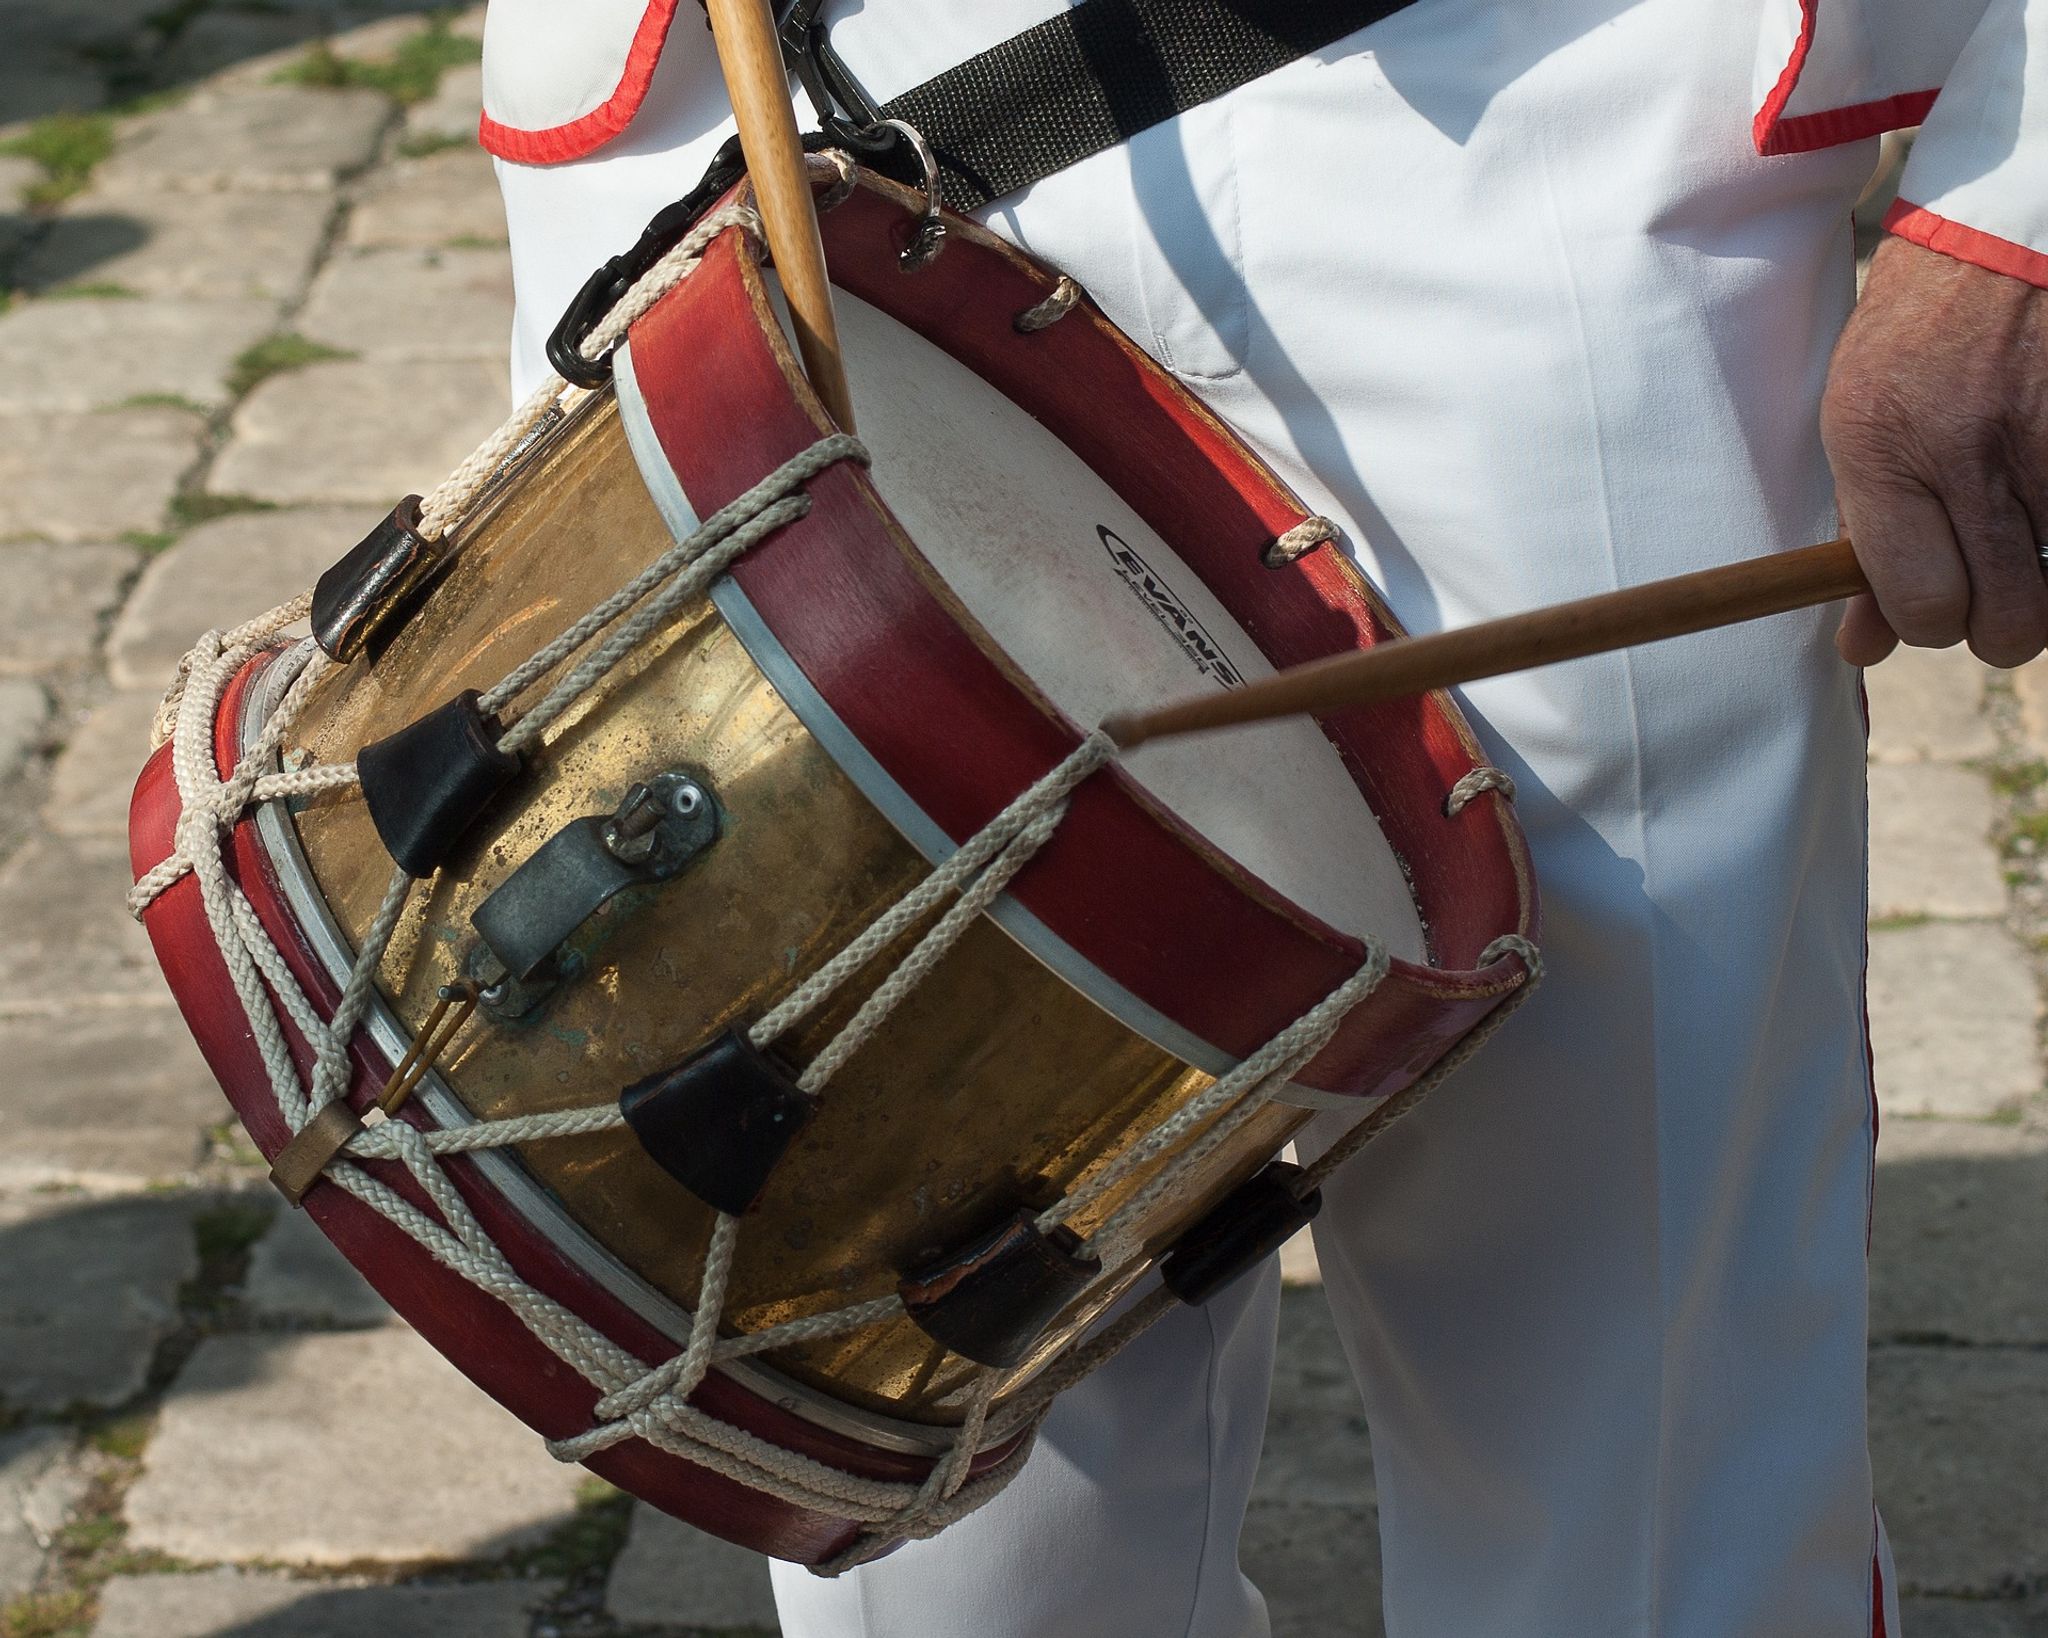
996 1083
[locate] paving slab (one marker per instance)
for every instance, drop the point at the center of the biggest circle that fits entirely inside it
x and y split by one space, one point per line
1960 1233
52 600
452 112
1298 1264
1319 1568
92 477
220 574
378 39
264 1451
1974 1617
71 945
24 714
436 199
670 1575
1930 843
17 176
360 430
413 304
2030 684
88 354
232 245
229 1603
295 1274
1316 1450
256 138
41 1480
1927 705
1952 1018
88 1288
1958 1443
118 1096
96 770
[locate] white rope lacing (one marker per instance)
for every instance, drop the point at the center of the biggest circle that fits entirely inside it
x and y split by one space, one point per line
1043 315
1469 786
635 1400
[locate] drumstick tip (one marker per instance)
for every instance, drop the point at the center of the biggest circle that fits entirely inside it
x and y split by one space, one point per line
1125 729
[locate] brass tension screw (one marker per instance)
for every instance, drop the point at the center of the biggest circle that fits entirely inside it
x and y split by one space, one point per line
451 1011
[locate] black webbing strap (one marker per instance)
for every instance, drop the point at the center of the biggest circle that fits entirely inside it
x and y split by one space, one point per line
1101 72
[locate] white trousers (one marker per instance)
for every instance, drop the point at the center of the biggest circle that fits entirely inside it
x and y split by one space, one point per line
1504 290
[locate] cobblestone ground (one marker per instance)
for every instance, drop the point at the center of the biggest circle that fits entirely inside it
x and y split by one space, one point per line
257 290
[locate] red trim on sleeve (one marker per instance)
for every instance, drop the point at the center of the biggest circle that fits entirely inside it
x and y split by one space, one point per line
1966 244
1829 128
1775 134
585 135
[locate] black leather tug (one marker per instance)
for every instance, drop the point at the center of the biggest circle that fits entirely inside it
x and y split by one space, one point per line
374 584
720 1120
993 1298
426 784
1242 1229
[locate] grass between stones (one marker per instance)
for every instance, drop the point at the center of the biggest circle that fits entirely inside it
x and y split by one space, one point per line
92 290
429 143
273 355
68 147
410 74
160 400
189 511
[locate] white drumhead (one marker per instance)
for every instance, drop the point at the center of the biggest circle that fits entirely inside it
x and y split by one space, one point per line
1104 616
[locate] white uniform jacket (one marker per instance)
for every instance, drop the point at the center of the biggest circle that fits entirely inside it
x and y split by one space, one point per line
561 81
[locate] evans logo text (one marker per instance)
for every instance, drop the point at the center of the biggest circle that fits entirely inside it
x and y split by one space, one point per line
1169 611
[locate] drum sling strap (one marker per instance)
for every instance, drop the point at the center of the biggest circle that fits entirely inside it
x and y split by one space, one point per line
1093 76
1085 80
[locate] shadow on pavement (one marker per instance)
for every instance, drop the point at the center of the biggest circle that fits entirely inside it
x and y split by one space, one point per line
118 57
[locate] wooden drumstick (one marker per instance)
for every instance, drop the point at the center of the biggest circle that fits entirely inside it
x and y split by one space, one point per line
1567 631
759 88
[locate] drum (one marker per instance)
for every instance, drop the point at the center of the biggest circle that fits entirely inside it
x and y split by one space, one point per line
678 932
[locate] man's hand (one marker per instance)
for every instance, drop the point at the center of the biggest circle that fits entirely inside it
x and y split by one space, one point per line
1936 424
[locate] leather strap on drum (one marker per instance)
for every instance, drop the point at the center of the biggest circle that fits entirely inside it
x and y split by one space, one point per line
1082 81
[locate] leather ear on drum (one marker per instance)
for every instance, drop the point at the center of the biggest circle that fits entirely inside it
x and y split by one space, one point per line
775 807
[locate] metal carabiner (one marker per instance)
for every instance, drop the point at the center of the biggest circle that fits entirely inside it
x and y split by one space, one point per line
929 238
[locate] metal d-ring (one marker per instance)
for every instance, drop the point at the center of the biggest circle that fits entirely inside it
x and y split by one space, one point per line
930 237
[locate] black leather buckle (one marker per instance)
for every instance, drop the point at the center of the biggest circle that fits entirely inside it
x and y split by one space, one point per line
426 784
373 584
1241 1230
993 1298
720 1120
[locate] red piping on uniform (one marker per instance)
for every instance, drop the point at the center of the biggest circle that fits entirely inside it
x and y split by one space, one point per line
1863 994
1781 93
1877 1626
1803 133
585 135
1774 134
1966 244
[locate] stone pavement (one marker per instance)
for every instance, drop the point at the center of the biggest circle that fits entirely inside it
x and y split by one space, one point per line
257 289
